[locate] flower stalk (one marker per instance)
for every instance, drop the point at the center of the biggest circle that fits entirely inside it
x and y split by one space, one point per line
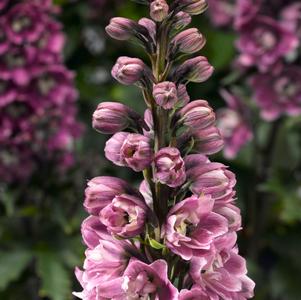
178 232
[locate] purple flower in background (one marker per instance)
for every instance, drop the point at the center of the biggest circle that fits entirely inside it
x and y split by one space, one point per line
37 94
222 12
263 42
169 167
3 4
25 23
291 17
278 93
234 124
246 11
192 226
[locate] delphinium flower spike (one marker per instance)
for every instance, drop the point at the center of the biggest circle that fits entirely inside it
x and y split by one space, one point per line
37 95
175 237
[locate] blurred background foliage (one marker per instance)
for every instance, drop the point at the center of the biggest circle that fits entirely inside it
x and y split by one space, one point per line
40 219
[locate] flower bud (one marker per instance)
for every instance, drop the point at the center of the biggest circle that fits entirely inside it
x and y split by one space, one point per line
195 69
181 20
169 167
101 191
208 141
193 7
125 216
165 94
128 70
111 117
210 178
158 10
130 150
183 97
120 28
189 41
150 26
197 115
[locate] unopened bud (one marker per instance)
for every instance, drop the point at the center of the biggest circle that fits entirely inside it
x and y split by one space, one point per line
120 28
181 20
194 7
208 141
159 10
128 70
197 115
165 94
196 69
189 41
111 117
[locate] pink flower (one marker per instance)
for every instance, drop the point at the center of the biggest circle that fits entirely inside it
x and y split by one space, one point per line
191 227
102 190
125 216
234 124
142 281
210 178
169 167
196 293
223 278
131 150
105 262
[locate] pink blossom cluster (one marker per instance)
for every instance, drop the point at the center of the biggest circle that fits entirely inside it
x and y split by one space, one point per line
174 238
37 94
268 41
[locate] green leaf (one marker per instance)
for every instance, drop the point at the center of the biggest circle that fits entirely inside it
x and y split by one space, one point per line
12 263
56 283
156 245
